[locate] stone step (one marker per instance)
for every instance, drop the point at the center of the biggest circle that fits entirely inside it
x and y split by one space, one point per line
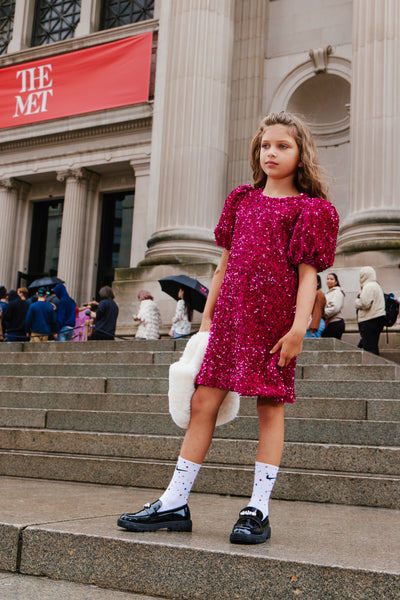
78 370
122 385
56 384
336 431
319 408
324 372
68 532
389 390
109 369
14 586
306 455
166 357
357 489
90 358
374 433
98 346
162 344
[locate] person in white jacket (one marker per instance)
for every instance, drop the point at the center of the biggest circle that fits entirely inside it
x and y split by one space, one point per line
149 317
370 305
333 309
181 323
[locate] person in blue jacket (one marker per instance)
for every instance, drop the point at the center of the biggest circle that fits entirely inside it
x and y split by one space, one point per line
66 314
40 321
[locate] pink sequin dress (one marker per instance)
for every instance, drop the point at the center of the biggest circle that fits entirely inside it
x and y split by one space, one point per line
267 238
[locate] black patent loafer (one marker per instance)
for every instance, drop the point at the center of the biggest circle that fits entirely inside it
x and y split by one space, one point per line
250 528
149 519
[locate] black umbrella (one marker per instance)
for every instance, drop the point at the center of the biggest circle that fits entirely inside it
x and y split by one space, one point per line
45 282
197 291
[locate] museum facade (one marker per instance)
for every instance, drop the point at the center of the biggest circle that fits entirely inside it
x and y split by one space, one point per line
123 126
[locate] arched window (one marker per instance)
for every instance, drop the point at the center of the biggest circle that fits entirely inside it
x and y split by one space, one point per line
321 95
323 100
7 8
55 20
115 13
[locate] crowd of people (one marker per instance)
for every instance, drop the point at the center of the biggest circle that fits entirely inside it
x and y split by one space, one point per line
327 319
51 314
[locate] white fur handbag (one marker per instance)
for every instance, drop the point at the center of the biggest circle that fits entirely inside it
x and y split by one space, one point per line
182 376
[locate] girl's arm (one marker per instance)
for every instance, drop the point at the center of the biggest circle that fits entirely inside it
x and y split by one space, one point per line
291 343
213 294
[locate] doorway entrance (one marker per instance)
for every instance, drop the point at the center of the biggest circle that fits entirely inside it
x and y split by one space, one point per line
45 238
115 235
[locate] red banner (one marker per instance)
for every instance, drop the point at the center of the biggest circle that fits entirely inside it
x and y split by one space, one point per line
105 76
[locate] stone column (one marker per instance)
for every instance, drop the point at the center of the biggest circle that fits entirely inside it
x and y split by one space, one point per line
247 87
193 96
374 219
72 243
8 223
22 30
92 234
90 16
141 218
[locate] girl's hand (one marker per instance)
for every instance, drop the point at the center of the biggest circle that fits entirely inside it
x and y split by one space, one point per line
290 345
205 324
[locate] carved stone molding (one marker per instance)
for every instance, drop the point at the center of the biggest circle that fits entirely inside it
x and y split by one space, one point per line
66 136
140 167
319 58
9 183
77 174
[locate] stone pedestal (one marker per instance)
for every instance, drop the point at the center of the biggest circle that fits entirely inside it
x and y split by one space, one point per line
128 282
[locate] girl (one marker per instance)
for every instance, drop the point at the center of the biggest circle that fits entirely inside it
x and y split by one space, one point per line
181 323
275 236
333 309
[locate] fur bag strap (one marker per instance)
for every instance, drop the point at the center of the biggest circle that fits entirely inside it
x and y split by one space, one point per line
182 376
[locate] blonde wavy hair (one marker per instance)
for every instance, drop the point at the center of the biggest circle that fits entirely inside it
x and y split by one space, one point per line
309 178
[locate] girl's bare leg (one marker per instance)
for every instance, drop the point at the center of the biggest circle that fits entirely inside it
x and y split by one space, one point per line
204 410
272 430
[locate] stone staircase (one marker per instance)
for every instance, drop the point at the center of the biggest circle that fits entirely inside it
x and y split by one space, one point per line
98 413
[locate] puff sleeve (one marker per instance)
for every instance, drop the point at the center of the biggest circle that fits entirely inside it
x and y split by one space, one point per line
224 231
313 241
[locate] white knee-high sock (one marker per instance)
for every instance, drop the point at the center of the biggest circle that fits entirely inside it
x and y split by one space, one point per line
264 479
178 490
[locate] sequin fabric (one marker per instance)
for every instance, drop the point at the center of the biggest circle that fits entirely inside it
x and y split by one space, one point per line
267 238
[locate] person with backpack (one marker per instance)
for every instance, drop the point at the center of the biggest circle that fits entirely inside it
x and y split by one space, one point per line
66 314
371 312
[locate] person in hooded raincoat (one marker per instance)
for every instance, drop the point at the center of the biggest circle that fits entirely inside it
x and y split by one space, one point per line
370 305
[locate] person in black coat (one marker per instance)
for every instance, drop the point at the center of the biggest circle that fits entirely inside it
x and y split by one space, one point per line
14 318
106 315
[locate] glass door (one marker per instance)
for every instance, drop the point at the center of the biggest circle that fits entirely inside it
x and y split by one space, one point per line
45 238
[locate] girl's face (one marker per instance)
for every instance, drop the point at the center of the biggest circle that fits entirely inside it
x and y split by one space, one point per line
181 294
279 155
330 281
